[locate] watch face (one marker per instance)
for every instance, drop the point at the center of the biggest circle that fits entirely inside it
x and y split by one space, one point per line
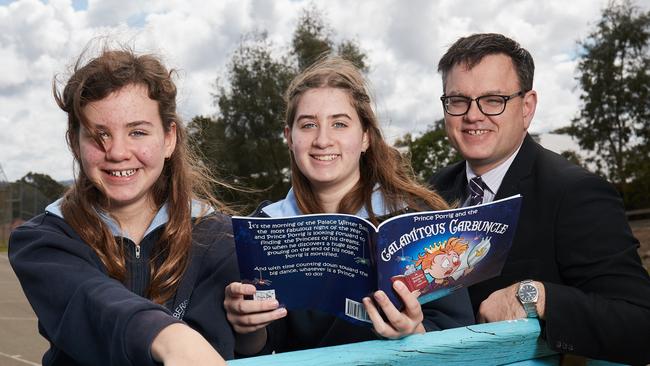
527 293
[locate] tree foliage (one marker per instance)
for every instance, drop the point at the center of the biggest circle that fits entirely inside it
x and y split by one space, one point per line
50 188
28 196
430 151
312 39
572 156
613 72
244 141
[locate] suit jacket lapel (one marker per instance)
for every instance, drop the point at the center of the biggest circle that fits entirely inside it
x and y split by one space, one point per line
520 169
456 190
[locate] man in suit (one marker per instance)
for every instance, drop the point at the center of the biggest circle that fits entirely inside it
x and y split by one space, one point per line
574 261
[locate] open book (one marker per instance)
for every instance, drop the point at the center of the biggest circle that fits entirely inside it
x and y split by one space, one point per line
331 261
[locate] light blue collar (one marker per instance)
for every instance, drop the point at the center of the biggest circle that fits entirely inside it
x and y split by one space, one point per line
289 206
283 208
159 220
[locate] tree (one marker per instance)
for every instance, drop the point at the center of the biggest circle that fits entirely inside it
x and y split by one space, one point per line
312 39
244 141
50 188
614 121
572 156
29 196
429 152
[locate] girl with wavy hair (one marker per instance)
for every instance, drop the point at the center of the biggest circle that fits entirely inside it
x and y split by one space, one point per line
340 163
130 266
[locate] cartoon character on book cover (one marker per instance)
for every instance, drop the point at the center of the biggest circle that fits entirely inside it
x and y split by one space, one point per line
443 262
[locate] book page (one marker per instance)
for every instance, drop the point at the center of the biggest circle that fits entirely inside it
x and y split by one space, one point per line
438 252
308 262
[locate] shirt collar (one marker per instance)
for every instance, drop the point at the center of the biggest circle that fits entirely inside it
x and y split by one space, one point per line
160 219
289 206
494 177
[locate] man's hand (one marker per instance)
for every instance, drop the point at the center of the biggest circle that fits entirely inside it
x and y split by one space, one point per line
400 324
504 305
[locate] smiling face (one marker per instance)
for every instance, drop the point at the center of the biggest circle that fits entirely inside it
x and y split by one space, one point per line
135 146
327 140
487 141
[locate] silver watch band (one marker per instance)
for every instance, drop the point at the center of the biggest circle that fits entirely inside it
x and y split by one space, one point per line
531 309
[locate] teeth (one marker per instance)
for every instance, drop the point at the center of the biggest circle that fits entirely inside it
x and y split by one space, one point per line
122 173
476 132
325 157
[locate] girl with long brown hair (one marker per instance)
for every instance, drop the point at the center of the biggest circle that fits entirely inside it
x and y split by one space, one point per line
130 266
340 163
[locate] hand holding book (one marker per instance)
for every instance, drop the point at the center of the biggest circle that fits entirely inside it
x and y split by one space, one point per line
331 262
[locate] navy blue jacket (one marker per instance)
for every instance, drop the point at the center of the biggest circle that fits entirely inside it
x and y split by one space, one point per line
92 319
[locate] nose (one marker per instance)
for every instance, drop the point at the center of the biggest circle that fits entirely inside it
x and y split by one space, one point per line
117 149
323 138
474 113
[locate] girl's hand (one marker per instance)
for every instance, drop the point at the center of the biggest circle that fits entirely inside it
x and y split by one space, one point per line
249 318
399 324
179 345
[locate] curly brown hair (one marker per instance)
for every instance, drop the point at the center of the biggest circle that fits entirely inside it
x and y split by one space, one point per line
181 181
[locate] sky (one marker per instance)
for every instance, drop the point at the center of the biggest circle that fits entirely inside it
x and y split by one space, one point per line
403 41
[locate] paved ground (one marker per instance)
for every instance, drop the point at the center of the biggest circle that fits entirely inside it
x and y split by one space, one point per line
20 343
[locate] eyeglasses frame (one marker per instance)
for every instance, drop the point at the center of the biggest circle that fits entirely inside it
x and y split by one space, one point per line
506 98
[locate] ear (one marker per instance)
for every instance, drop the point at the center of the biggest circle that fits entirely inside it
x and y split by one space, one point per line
365 141
170 140
528 107
287 136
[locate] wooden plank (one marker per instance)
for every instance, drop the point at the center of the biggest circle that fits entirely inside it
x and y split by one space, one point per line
485 344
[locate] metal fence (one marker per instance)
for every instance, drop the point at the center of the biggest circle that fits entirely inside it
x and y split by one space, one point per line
18 203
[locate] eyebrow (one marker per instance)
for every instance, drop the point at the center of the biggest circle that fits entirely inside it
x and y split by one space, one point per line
138 123
455 93
305 116
340 115
333 116
129 125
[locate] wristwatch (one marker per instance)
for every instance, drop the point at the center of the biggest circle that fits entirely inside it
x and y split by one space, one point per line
527 295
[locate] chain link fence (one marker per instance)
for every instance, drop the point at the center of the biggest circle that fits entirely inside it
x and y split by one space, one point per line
19 202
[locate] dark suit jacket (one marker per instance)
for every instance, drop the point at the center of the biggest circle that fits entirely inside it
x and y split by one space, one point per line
574 237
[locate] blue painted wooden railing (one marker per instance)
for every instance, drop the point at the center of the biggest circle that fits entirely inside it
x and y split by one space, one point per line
511 342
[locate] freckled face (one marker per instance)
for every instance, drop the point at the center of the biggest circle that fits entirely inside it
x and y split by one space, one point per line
135 146
487 141
327 139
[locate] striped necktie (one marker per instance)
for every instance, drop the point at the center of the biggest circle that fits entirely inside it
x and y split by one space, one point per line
476 188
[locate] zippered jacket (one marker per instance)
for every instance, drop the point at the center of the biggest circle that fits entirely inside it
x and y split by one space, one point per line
92 319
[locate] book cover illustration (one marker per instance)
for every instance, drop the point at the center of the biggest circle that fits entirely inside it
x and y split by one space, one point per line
330 262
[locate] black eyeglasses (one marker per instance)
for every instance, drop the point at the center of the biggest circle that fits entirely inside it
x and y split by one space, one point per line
489 105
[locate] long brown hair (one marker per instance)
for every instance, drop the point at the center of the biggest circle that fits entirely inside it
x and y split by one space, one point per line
181 180
380 164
